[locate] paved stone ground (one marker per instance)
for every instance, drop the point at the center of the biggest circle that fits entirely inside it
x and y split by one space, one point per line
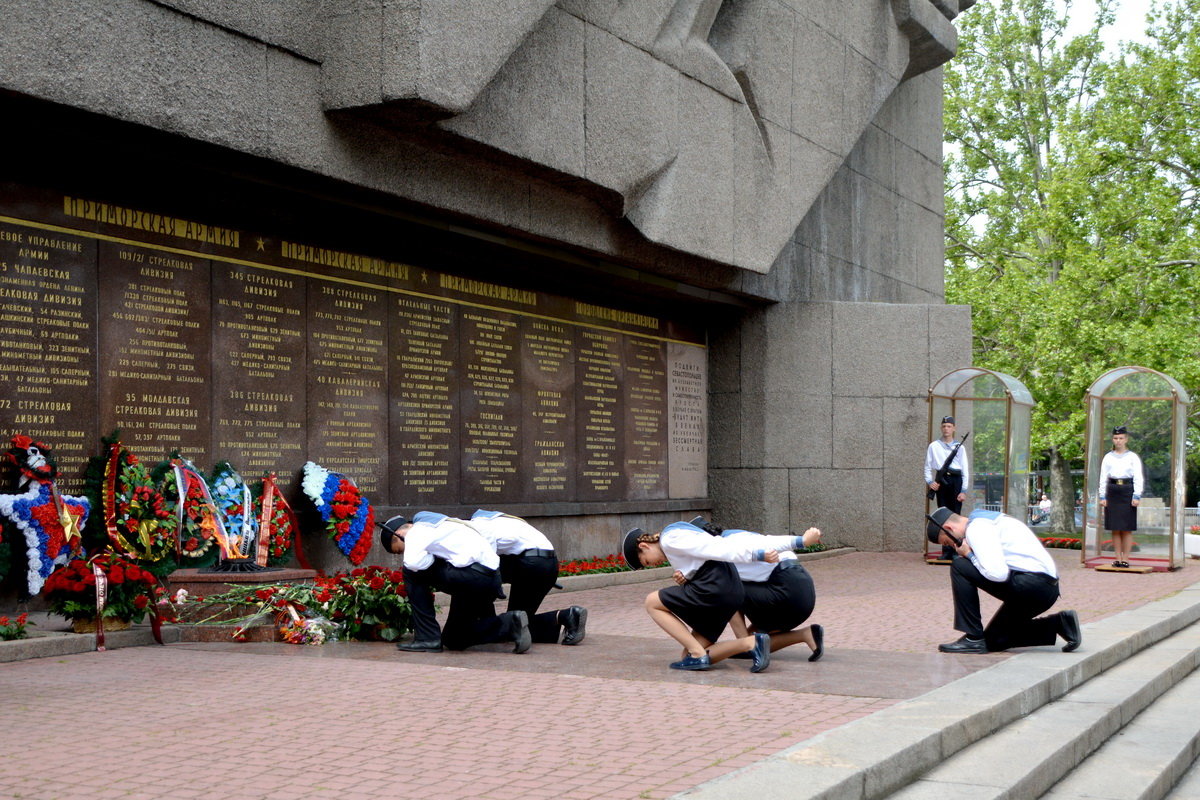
606 719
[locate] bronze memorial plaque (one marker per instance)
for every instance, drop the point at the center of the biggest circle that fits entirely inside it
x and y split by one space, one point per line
548 456
155 365
425 388
600 413
259 403
490 352
347 382
424 377
645 420
48 345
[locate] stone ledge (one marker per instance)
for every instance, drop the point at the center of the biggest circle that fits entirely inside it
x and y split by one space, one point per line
64 643
879 754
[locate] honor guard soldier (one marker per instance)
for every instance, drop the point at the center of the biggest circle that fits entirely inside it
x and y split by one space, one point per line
946 471
1000 555
530 567
1120 494
446 553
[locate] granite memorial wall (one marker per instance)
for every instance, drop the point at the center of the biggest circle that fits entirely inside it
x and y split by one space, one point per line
428 388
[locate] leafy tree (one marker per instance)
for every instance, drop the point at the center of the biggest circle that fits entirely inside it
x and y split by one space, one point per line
1071 209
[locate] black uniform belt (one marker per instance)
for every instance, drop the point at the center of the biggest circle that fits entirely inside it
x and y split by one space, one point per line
954 473
1120 481
481 568
535 552
1042 575
789 563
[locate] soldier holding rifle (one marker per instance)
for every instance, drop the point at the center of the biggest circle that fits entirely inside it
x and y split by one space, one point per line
945 471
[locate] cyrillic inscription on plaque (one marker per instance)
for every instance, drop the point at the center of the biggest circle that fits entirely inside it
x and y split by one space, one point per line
645 421
687 388
48 344
601 413
428 388
347 382
490 350
548 452
259 404
155 364
424 443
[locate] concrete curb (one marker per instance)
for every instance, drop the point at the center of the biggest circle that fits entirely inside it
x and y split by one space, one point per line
65 643
879 754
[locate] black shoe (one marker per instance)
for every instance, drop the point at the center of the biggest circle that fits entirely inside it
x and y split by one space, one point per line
428 646
964 645
761 652
819 637
522 640
1068 628
574 621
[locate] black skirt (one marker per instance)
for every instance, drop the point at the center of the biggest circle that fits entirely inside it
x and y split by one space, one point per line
708 600
1119 512
782 602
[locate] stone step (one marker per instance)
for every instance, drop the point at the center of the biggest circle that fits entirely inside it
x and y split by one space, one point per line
1188 787
1147 757
1029 756
883 754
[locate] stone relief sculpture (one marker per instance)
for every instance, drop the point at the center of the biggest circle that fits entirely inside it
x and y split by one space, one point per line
715 122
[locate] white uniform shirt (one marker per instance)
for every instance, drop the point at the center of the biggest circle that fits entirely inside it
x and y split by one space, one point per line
759 571
1121 465
445 537
935 456
688 547
1000 543
508 535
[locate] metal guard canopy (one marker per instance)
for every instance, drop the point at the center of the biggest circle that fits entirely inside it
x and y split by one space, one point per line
1155 385
999 386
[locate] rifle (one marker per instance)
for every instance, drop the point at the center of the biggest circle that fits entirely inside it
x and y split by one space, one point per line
940 476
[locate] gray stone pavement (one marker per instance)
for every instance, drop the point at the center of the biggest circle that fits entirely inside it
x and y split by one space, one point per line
606 719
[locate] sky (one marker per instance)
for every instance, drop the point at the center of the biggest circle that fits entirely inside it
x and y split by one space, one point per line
1130 22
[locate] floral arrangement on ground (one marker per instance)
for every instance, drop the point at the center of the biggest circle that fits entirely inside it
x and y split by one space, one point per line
14 628
366 603
132 590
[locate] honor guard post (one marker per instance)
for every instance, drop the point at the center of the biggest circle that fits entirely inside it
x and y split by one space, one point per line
994 409
1149 409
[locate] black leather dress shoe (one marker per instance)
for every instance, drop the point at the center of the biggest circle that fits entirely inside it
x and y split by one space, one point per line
574 622
522 639
1068 628
964 645
430 646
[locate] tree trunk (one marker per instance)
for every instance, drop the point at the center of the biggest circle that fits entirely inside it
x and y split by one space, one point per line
1062 495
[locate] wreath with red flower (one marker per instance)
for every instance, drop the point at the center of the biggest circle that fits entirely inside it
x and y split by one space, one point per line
194 525
136 518
132 590
277 524
349 518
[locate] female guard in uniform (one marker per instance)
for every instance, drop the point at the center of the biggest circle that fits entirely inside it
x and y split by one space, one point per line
708 590
779 597
1120 494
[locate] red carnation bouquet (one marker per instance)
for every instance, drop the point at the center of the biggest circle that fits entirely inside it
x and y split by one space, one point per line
132 590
